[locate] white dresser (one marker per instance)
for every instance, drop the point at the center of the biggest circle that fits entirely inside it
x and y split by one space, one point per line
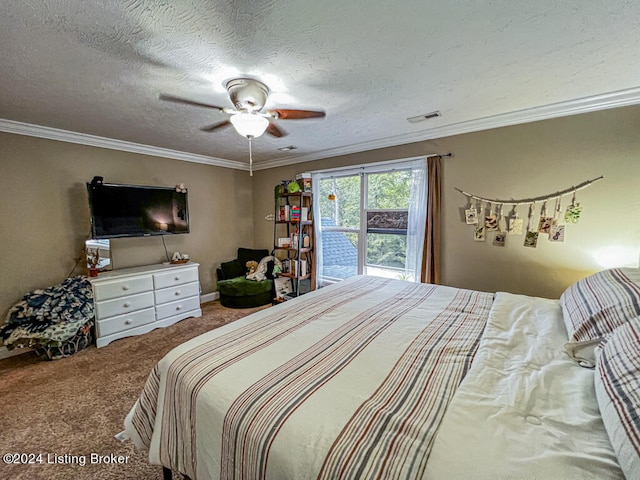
133 301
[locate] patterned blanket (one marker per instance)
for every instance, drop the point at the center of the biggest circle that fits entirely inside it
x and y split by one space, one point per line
349 381
57 319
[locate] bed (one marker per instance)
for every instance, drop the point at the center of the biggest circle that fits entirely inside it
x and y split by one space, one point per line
380 378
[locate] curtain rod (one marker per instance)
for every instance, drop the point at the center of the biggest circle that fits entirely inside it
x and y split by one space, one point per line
337 170
527 201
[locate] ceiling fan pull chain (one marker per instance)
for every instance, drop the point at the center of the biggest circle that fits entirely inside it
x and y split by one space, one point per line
250 158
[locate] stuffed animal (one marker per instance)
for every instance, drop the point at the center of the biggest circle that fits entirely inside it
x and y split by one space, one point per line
260 272
251 265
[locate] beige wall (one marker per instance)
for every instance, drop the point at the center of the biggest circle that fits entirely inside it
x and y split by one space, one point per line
522 161
46 217
46 220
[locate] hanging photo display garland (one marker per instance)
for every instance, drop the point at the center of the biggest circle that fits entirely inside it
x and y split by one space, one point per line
547 224
572 215
500 237
544 222
491 220
515 223
471 213
479 230
556 234
471 216
531 237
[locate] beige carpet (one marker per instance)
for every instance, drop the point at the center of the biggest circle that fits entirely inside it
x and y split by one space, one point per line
75 406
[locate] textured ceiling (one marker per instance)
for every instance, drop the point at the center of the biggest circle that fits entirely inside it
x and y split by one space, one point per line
98 67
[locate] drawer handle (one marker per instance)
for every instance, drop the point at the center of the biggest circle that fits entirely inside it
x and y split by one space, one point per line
179 307
177 278
177 292
126 305
128 321
125 287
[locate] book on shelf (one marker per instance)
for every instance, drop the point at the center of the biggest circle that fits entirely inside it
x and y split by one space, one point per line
286 265
283 213
295 268
306 240
295 213
299 268
284 242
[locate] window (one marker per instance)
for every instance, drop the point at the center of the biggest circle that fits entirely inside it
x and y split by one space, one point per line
339 200
371 221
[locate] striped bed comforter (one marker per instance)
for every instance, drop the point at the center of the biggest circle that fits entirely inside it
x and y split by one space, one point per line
349 381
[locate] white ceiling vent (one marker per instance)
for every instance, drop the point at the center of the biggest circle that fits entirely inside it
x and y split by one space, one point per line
426 116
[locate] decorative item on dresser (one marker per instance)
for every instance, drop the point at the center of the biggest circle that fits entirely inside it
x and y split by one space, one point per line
136 300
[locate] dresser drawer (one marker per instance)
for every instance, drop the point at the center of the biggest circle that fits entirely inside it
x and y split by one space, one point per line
177 293
175 308
125 322
178 276
124 286
122 305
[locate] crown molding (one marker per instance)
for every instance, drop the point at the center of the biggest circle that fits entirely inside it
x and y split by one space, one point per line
621 98
20 128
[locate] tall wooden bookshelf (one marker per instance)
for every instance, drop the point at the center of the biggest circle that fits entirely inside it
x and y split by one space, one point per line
293 241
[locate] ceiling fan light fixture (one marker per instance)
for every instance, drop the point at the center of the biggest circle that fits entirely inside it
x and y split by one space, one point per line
249 124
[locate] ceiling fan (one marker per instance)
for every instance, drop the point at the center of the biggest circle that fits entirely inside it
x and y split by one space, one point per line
249 97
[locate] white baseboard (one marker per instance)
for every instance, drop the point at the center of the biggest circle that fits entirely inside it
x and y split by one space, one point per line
209 297
6 353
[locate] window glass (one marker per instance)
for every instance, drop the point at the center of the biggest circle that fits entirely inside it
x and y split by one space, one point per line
389 189
344 207
339 253
384 250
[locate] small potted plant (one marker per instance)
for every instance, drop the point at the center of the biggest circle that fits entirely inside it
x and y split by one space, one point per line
93 259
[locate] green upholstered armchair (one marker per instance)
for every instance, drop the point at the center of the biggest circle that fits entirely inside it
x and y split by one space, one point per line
238 292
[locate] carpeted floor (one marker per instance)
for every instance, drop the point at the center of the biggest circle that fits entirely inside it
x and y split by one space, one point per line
75 406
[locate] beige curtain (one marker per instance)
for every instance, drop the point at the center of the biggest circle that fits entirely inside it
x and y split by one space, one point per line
431 251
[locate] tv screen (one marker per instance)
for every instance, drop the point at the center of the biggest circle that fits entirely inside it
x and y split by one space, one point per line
136 210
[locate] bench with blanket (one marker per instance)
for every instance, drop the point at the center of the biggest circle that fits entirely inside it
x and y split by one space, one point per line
55 321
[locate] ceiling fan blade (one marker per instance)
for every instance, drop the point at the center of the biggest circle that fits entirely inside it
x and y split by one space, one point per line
273 130
171 98
285 114
215 126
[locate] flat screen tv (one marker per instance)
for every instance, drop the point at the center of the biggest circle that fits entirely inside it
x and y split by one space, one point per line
136 210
